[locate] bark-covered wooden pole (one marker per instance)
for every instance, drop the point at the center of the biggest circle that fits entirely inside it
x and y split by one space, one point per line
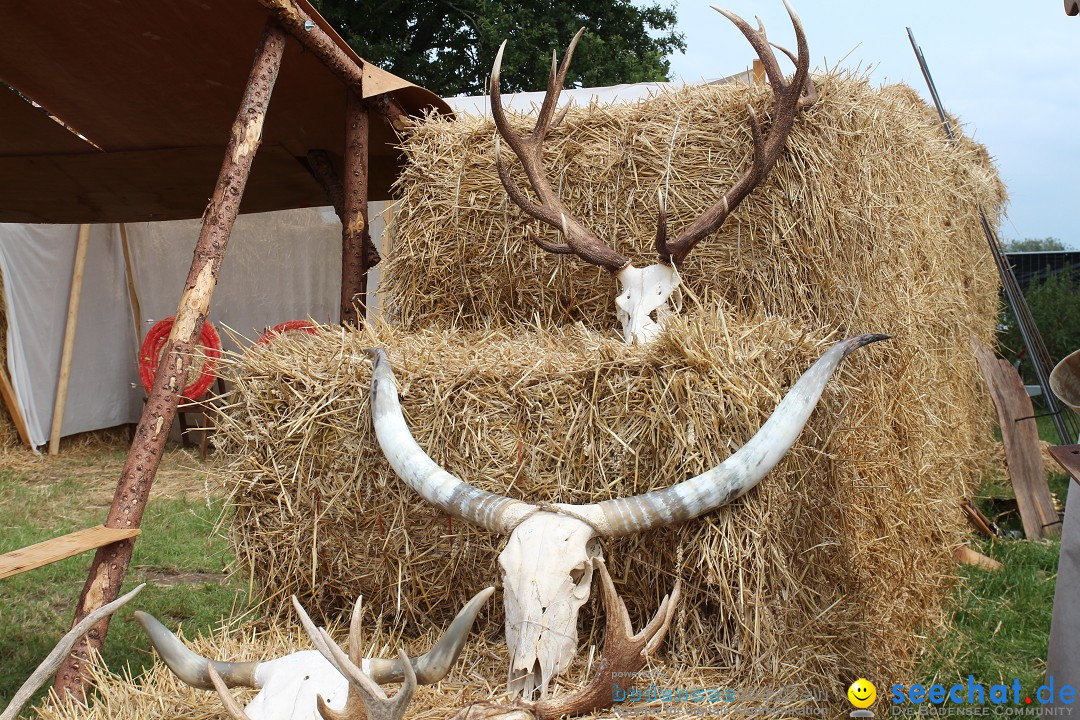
355 237
110 563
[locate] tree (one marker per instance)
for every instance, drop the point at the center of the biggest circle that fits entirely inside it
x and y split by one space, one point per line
1034 245
448 47
1055 307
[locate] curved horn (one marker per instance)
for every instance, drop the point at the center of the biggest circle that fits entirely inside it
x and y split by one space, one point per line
190 666
432 666
448 492
736 475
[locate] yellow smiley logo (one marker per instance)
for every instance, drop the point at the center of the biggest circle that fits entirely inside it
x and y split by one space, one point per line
862 693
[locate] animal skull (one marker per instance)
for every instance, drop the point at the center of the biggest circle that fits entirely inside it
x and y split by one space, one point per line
646 291
305 685
551 545
547 574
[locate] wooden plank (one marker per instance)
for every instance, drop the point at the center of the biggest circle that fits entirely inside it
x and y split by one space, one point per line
1068 456
69 338
7 393
1020 435
60 548
967 556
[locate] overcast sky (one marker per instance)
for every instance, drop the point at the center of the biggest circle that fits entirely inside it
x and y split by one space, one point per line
1009 69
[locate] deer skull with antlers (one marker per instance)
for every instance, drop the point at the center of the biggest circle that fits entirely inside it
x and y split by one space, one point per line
305 685
552 548
646 292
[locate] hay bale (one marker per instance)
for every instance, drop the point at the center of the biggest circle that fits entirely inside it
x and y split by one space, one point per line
826 570
869 219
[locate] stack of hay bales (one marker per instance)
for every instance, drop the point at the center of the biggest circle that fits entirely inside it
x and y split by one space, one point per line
513 377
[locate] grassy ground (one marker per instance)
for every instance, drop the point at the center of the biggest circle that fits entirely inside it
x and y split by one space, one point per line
178 556
1000 621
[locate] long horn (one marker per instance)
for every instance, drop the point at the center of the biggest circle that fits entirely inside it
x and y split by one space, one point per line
736 475
432 666
448 492
190 666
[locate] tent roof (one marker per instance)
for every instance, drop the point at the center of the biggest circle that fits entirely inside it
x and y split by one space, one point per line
152 88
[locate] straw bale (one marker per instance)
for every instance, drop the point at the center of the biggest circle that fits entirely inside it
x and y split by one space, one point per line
826 571
869 218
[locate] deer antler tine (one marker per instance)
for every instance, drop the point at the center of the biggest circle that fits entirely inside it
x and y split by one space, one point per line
231 706
356 633
661 228
313 632
554 248
790 55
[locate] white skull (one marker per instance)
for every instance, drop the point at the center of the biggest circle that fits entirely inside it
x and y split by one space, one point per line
645 291
547 575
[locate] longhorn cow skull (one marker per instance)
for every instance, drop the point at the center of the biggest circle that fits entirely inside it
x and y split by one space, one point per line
549 555
305 685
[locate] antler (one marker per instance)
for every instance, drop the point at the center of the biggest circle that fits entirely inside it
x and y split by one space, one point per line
790 99
530 149
624 654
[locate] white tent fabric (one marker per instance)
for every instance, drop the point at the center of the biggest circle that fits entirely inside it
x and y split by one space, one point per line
279 266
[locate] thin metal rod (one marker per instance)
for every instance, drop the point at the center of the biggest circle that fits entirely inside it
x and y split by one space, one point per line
1066 424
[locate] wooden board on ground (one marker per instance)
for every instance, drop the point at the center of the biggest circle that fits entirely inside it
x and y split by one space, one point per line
65 546
1020 435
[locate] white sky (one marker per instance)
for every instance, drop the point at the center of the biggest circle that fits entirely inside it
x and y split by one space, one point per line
1009 69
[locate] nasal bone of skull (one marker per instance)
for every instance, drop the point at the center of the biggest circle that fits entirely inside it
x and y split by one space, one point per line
547 567
643 292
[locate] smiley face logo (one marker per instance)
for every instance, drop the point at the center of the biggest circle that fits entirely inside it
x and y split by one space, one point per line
862 693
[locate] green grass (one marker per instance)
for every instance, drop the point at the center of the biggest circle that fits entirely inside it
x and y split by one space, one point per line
177 555
1000 621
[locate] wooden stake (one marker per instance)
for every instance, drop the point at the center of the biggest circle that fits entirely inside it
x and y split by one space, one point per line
1020 436
110 563
7 393
133 293
64 378
355 237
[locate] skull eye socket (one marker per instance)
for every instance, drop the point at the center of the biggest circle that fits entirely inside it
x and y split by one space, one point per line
577 575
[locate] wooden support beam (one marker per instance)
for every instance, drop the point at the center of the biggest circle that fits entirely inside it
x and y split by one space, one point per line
64 378
61 548
315 40
322 169
110 563
7 394
355 237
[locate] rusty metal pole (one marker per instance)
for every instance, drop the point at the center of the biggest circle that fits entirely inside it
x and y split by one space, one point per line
355 236
110 564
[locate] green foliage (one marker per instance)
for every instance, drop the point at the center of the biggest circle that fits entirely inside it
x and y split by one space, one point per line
1034 245
449 47
1055 307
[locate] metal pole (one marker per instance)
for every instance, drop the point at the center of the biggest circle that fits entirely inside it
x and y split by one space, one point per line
110 563
1029 331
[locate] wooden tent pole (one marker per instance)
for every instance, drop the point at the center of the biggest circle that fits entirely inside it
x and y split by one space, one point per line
66 354
355 237
110 563
133 293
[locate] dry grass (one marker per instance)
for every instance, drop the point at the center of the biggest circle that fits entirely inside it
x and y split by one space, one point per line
159 695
